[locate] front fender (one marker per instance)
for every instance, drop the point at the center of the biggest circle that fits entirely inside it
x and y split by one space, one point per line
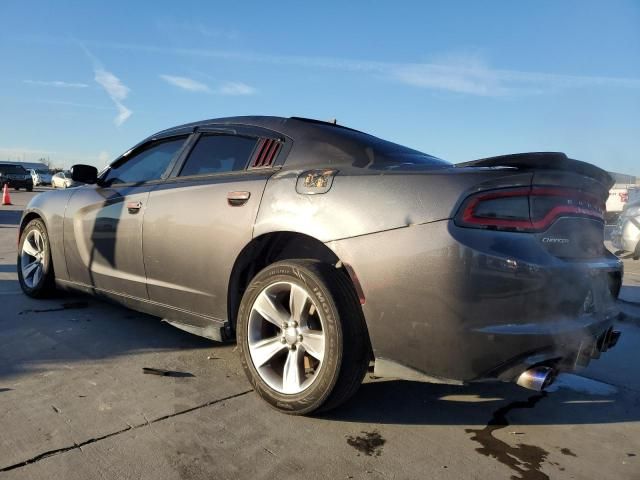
50 207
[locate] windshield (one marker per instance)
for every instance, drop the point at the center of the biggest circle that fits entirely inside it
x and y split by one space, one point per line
12 169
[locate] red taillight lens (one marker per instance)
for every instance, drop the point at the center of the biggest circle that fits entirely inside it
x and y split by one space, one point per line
531 209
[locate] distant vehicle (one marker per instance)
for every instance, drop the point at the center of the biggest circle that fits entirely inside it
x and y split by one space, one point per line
62 180
40 177
619 196
626 236
320 249
16 176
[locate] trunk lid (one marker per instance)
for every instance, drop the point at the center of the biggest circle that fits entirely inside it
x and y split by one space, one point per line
563 206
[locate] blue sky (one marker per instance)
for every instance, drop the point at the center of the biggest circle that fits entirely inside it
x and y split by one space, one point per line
82 81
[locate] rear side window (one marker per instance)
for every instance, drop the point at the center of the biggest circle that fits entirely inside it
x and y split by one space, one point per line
218 154
145 165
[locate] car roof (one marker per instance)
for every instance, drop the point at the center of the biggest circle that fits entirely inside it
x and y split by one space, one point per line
315 141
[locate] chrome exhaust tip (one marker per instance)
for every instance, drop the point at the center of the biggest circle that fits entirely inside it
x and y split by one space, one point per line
537 378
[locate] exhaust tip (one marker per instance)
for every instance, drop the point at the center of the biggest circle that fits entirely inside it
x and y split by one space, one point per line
537 378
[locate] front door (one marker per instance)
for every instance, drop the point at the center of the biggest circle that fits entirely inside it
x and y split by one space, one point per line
198 221
103 222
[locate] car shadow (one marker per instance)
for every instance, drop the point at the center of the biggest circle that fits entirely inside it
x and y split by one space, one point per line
414 403
75 328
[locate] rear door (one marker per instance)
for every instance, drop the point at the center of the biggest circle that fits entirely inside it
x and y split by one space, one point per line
103 222
197 222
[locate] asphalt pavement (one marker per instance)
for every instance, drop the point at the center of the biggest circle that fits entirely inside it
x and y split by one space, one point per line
75 404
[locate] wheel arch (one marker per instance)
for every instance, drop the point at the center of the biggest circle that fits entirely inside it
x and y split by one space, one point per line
273 247
32 215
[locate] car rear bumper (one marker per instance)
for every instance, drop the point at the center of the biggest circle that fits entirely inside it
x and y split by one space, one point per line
437 305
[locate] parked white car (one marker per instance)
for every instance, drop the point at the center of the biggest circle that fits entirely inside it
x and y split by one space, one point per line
62 180
40 177
619 196
626 236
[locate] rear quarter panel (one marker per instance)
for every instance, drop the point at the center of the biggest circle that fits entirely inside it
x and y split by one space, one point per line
367 201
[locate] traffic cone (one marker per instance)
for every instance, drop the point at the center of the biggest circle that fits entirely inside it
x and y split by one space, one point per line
6 199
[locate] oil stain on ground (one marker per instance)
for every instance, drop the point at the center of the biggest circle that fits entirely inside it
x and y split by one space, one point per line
525 460
566 451
369 443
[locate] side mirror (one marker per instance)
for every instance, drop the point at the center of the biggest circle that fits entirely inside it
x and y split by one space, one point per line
84 174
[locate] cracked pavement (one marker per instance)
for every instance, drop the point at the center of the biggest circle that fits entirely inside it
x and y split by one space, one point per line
75 404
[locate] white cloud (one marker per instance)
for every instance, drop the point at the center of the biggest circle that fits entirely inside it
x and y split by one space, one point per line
191 85
236 88
112 84
56 83
116 90
123 114
185 83
461 74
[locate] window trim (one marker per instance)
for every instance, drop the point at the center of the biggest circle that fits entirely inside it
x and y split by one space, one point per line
236 131
129 154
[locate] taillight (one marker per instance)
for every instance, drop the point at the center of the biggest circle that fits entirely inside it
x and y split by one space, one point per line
531 209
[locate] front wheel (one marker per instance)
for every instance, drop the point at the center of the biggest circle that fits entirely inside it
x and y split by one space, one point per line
302 337
35 268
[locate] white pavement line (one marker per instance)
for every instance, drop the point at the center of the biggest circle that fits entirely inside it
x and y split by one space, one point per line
79 446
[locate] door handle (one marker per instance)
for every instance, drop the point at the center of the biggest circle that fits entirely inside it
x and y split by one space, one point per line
237 199
134 207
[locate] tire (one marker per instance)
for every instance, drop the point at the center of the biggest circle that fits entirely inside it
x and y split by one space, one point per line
34 284
636 253
331 305
29 189
17 189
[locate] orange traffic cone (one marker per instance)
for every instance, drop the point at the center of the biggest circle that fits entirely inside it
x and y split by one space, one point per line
6 199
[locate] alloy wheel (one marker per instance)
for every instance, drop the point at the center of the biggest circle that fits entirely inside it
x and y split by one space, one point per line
32 258
286 337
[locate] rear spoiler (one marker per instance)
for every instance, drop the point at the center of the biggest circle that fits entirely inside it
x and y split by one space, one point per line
544 161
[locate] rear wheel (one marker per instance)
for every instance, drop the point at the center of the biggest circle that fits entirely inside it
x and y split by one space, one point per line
16 188
35 268
302 337
636 254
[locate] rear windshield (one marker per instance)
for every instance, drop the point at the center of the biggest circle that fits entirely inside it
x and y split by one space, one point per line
12 169
388 154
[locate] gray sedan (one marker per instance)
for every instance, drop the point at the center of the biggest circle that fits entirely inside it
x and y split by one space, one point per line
324 251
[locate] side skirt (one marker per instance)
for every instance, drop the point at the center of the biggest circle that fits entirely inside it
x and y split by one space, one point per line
208 327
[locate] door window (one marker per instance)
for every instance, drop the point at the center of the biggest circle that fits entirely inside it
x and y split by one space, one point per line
218 154
146 165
